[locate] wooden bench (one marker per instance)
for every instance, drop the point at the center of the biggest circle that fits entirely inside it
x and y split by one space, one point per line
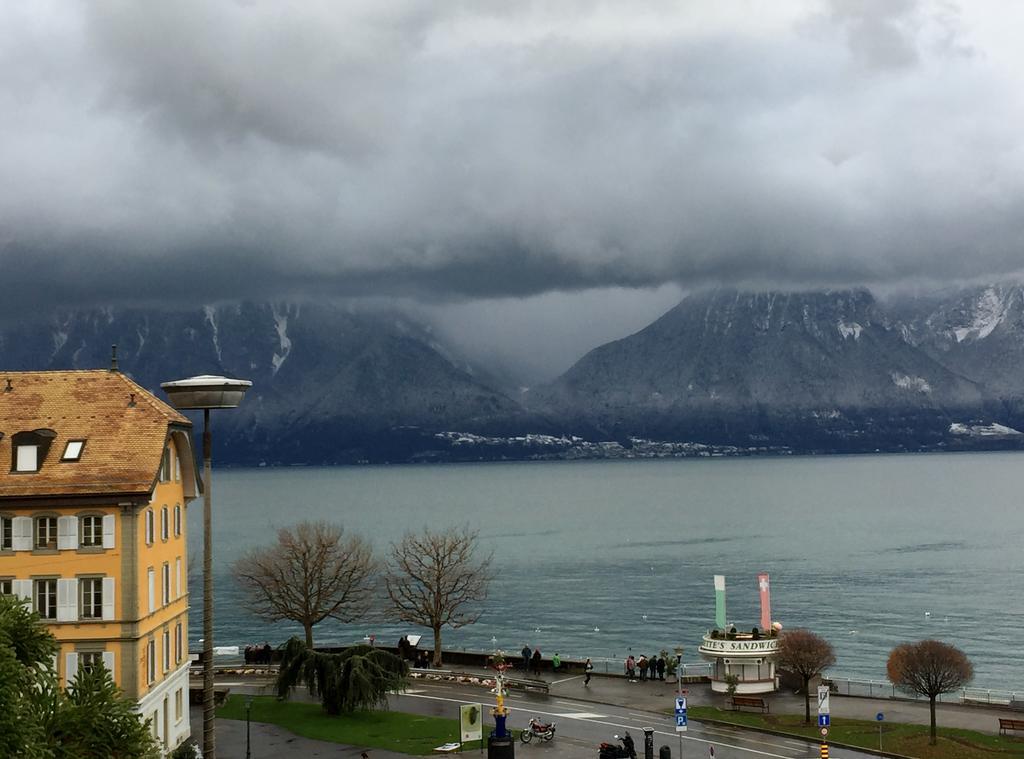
1010 724
754 702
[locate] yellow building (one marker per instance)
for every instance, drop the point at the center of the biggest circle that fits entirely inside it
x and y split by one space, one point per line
95 476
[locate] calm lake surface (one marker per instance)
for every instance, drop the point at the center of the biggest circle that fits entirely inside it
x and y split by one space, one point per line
859 549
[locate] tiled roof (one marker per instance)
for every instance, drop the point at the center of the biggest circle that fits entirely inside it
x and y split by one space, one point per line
124 441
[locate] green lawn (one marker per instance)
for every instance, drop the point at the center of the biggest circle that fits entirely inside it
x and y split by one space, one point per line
909 740
395 731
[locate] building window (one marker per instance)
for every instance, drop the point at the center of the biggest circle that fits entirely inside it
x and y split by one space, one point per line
151 662
46 532
73 450
166 584
46 598
6 534
7 588
149 526
177 468
164 528
151 580
92 531
177 643
89 660
27 458
91 590
179 703
177 520
165 466
167 651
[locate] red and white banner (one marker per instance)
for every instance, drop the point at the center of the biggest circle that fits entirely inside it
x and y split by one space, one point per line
766 601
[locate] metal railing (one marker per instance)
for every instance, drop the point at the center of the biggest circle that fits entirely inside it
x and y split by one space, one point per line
846 686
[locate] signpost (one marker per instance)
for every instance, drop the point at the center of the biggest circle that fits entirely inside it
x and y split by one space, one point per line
880 717
824 717
680 700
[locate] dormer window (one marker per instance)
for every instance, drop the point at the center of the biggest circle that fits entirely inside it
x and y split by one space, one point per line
29 449
73 450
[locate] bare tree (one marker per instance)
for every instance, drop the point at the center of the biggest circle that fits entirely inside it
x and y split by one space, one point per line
807 654
435 579
313 571
929 668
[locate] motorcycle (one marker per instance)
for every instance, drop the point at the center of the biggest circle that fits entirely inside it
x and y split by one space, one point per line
611 751
536 729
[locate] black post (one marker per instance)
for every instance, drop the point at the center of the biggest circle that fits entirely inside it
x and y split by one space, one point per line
648 743
248 705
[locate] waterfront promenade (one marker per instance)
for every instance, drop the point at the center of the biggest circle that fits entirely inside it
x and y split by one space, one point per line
655 698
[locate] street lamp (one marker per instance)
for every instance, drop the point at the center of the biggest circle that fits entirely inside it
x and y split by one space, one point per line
248 707
207 392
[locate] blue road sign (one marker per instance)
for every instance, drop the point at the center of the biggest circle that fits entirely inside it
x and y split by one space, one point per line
680 715
879 716
823 720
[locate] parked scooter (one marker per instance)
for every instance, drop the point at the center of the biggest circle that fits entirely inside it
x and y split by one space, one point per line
612 751
536 729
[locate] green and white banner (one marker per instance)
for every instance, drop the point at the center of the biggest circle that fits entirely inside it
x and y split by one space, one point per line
720 601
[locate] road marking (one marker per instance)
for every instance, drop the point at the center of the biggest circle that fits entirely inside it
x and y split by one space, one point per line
634 727
582 715
558 682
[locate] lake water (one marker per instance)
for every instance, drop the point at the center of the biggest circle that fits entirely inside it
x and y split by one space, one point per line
595 558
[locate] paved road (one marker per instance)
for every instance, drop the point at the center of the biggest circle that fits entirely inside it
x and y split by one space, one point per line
582 725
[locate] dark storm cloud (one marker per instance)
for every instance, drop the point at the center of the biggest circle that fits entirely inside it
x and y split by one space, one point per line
216 150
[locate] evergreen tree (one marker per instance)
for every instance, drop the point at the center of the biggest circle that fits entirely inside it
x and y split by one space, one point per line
357 679
92 720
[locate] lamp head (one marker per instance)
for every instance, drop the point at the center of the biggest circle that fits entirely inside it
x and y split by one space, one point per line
206 391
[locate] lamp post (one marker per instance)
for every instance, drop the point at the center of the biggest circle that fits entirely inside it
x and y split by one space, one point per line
207 392
248 706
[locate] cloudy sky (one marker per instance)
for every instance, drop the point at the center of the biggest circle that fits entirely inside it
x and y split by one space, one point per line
589 160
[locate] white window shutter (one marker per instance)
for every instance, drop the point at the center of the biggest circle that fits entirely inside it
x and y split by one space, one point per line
108 662
21 529
71 667
67 600
67 533
177 577
108 530
108 598
23 590
152 591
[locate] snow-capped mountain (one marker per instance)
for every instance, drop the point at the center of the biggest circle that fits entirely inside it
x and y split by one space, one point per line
329 383
724 371
978 333
828 367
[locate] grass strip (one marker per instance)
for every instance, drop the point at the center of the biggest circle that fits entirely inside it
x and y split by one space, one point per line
898 738
394 731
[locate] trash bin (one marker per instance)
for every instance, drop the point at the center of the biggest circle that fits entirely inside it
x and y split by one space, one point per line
664 753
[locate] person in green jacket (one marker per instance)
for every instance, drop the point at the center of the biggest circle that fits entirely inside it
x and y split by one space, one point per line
556 662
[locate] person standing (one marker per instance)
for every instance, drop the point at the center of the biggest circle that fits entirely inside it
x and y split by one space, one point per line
556 662
643 665
661 668
526 658
588 668
630 668
536 661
